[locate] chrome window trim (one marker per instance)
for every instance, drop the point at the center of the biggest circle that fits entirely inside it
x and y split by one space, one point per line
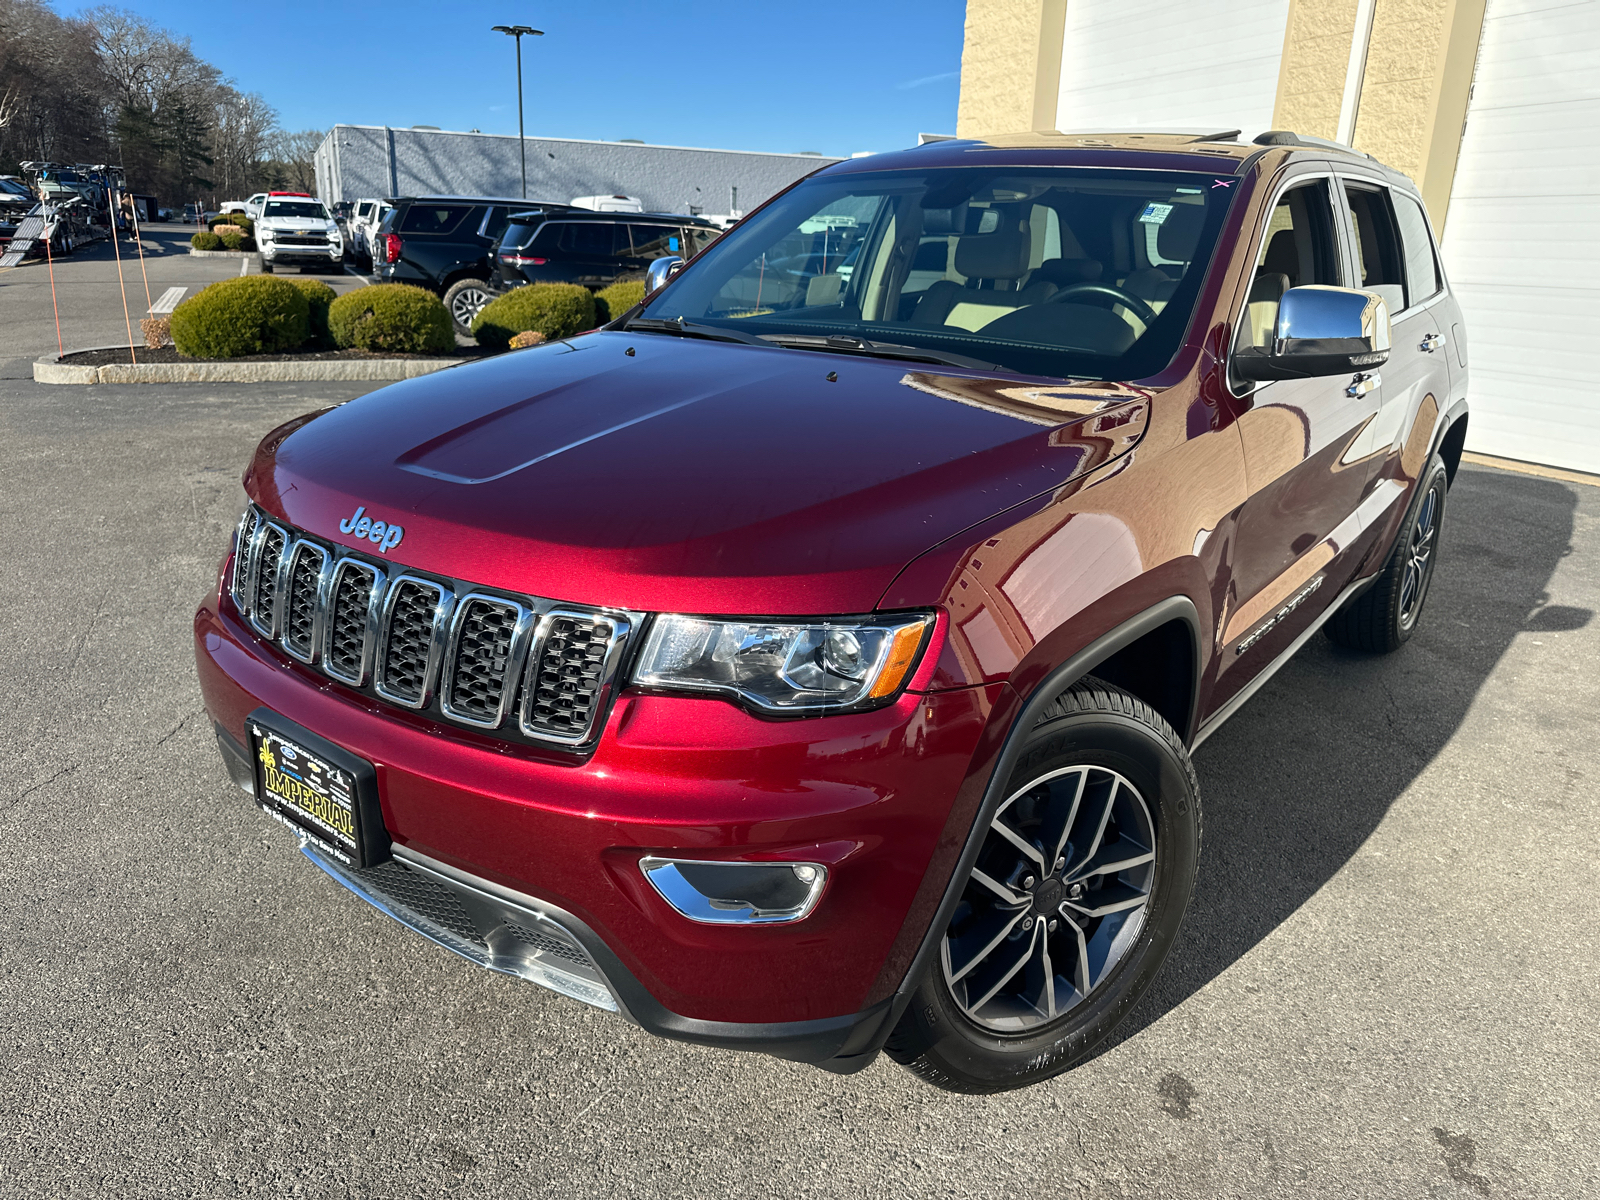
319 605
521 635
1336 206
444 603
263 527
369 631
621 628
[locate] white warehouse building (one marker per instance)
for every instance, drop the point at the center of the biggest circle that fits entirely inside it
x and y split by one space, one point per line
359 161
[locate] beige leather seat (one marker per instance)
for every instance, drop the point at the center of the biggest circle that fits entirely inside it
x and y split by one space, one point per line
998 257
1175 241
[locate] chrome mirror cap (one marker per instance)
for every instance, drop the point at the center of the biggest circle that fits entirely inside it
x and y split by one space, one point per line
1321 330
661 270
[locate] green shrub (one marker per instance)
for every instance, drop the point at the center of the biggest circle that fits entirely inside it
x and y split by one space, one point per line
392 316
230 237
610 303
318 297
556 310
247 244
251 314
206 241
238 219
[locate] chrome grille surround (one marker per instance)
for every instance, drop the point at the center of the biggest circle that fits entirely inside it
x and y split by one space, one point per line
302 586
416 620
518 667
354 609
266 556
487 644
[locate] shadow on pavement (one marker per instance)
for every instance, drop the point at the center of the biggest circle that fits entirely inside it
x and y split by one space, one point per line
1295 783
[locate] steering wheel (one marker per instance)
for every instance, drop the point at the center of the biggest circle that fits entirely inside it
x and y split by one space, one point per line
1109 291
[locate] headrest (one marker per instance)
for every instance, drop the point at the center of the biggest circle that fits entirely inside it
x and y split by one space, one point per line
1282 255
1002 254
1268 286
1063 272
1180 232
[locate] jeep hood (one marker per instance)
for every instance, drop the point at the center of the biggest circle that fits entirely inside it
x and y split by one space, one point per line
659 473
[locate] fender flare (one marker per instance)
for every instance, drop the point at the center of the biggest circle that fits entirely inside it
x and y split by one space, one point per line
1063 676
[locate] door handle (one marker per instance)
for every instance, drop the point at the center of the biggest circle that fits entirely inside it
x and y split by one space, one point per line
1432 342
1362 384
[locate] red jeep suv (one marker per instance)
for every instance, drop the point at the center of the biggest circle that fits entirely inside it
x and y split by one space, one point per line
809 661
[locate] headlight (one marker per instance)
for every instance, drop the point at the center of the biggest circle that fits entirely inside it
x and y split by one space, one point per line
788 667
263 235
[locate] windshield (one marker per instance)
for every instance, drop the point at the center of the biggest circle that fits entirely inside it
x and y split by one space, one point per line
1080 272
297 208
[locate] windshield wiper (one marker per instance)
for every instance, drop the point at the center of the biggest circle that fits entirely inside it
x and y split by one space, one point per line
677 325
855 345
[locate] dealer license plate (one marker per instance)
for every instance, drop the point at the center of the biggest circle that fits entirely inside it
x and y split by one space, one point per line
321 791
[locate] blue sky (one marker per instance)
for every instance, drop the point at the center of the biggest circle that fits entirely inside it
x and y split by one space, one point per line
773 75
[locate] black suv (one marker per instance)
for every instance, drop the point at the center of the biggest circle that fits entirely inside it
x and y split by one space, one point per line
443 243
595 249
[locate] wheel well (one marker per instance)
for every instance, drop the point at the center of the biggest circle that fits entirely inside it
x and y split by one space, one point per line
451 280
1450 446
1158 668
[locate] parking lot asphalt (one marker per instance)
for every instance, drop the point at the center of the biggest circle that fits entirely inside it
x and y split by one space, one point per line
1386 986
89 293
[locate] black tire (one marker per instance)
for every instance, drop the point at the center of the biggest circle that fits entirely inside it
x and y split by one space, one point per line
266 267
1095 732
1382 619
465 299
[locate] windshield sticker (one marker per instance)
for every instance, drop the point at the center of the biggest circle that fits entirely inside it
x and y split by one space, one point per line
1221 183
1155 214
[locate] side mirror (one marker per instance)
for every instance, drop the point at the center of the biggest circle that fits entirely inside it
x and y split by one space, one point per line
1320 330
660 270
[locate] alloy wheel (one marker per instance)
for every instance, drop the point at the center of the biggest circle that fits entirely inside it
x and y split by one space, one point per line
467 304
1055 900
1419 556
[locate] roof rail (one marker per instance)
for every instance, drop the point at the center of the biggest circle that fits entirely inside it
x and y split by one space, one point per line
1226 135
1284 137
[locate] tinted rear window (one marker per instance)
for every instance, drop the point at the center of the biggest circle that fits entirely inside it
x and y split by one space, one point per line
519 234
434 218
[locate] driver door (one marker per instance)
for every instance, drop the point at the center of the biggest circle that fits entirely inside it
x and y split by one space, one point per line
1309 458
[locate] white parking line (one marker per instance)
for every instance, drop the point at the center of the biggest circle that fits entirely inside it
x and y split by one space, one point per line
167 301
356 275
244 265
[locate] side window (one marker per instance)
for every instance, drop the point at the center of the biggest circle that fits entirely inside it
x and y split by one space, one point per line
494 222
1298 248
1422 269
656 241
593 239
433 218
700 238
1377 240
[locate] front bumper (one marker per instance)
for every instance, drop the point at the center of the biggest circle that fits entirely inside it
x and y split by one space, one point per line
867 794
274 252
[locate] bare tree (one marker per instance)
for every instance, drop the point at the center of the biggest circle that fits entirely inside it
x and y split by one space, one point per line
295 155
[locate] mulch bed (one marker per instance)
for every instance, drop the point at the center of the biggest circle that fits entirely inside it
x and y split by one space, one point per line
169 354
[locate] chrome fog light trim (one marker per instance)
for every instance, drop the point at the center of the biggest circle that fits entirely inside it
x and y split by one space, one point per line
737 893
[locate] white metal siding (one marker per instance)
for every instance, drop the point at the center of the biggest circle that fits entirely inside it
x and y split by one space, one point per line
1152 64
1522 240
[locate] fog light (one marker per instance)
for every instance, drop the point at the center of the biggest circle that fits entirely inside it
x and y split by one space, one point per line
737 893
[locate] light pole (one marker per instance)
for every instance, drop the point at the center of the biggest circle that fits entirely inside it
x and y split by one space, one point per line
517 31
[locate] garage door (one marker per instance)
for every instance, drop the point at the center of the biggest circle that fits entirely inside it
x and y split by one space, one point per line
1522 241
1153 64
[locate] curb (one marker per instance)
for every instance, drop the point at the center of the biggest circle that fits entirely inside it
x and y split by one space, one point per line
236 255
48 370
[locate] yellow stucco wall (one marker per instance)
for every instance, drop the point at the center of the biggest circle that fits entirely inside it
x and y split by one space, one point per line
1316 54
1010 66
1413 95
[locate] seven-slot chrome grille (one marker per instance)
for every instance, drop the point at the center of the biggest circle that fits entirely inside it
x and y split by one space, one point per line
518 665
